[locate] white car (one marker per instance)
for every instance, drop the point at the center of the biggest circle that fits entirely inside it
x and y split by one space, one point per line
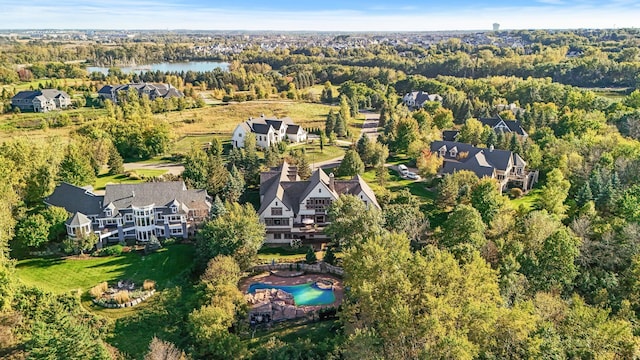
413 176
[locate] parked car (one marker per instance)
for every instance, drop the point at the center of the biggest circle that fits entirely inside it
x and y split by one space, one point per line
413 176
403 170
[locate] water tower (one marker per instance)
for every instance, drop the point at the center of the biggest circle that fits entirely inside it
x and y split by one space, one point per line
496 26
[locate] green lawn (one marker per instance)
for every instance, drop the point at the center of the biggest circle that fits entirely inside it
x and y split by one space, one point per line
396 183
105 179
528 201
289 332
284 254
62 275
313 151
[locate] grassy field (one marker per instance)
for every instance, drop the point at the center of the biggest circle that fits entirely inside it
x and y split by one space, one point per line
62 275
222 119
284 254
396 183
105 179
314 155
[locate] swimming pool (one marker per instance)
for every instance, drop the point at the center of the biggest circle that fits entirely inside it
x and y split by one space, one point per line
303 294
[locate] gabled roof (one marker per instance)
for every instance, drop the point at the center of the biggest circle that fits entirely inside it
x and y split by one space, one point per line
75 199
124 196
279 183
293 129
261 128
479 160
43 95
450 135
514 126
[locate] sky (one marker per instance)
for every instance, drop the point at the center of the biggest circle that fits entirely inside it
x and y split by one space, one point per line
318 15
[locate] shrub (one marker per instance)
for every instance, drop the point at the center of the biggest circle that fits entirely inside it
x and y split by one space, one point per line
134 176
122 297
97 291
114 250
329 256
311 256
515 193
149 284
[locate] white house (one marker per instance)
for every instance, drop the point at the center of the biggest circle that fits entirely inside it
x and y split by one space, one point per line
416 99
268 131
41 100
292 208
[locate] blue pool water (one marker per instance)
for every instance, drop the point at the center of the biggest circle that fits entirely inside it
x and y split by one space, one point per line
303 294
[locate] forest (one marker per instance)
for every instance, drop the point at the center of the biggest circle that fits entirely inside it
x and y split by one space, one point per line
454 269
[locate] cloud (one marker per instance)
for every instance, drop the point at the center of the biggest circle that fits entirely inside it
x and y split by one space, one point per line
151 14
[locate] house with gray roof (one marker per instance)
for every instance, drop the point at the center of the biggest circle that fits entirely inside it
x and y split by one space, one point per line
132 211
505 126
41 100
416 99
292 208
506 167
152 90
268 131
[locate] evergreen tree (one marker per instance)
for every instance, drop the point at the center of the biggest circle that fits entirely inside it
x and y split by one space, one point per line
217 208
329 256
329 125
234 187
215 148
340 127
351 164
115 163
311 257
362 147
584 195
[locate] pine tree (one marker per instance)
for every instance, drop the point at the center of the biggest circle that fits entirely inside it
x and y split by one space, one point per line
362 147
235 186
217 208
329 125
584 194
351 165
311 257
340 127
115 163
329 256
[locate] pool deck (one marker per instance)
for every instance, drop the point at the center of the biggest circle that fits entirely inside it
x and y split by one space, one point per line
268 278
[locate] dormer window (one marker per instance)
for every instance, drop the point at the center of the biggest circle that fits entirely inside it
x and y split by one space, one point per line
174 209
453 152
443 151
108 213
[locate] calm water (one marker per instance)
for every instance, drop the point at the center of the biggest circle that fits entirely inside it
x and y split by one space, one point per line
198 66
303 294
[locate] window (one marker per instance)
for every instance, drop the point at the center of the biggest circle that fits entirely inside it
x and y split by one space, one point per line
453 152
276 222
276 211
319 190
128 218
176 231
318 204
443 150
107 213
174 209
277 236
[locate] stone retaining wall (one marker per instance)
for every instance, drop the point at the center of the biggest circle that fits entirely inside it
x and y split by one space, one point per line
321 267
131 303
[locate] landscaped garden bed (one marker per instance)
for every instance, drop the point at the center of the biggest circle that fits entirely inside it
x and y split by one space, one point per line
124 293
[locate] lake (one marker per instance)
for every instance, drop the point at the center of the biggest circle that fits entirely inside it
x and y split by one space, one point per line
198 66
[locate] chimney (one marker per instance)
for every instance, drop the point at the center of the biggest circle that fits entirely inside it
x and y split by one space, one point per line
332 182
133 193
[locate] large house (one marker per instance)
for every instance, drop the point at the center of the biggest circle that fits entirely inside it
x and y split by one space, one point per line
499 125
153 91
292 208
504 166
268 131
506 126
132 211
41 100
416 99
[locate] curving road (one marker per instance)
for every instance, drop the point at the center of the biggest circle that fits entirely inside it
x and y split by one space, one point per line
369 128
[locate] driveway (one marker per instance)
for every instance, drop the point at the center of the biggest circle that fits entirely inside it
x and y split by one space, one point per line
369 128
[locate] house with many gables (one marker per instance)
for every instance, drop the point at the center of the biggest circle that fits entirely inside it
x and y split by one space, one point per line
499 125
292 208
132 211
41 100
416 99
268 131
508 168
152 90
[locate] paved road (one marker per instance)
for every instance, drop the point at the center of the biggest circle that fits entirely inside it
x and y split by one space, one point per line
369 127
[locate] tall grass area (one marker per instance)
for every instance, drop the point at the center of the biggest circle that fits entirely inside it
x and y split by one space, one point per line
223 119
